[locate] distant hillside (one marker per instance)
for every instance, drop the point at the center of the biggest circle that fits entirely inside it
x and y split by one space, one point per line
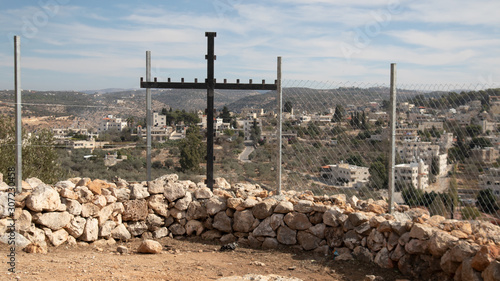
318 100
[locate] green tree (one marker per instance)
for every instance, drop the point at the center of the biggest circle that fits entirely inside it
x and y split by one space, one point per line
288 106
38 153
355 159
255 132
339 113
192 150
225 115
378 175
486 201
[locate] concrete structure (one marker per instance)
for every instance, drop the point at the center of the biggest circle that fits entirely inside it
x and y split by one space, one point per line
110 123
158 134
411 150
491 180
485 155
415 173
346 175
247 125
159 120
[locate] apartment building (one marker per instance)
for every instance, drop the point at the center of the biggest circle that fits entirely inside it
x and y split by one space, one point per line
491 180
415 173
346 175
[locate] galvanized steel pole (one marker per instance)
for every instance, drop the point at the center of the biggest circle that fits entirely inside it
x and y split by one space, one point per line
392 154
280 127
19 136
148 116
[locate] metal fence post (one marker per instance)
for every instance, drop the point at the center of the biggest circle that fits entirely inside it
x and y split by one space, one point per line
148 116
19 136
280 123
392 154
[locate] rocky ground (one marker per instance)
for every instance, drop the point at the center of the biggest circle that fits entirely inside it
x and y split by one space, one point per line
187 259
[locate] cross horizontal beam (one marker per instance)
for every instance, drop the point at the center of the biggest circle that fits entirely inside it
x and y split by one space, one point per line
220 86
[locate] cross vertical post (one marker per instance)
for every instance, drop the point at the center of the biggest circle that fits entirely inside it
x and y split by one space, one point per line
210 108
210 85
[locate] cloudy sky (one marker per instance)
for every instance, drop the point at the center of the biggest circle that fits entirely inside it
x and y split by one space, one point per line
83 45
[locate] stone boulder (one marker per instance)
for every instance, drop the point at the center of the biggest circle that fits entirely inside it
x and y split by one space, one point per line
43 198
149 247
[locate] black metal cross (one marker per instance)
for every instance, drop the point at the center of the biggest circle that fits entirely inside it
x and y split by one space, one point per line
210 84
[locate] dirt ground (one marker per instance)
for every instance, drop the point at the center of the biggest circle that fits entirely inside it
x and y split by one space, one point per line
187 259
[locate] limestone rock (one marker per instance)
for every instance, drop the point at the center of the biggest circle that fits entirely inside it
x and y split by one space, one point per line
196 211
307 240
421 232
73 207
215 205
383 259
297 221
137 228
270 243
177 229
91 231
97 185
357 218
121 233
194 226
43 198
174 191
286 236
135 210
304 206
283 207
58 237
154 221
440 242
318 230
330 217
203 193
362 254
84 194
54 220
468 273
149 247
156 187
105 213
158 204
138 191
485 256
68 193
222 222
121 194
161 232
106 228
89 210
264 229
243 221
492 272
183 203
76 226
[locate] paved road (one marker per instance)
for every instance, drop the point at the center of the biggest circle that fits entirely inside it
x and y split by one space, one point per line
246 152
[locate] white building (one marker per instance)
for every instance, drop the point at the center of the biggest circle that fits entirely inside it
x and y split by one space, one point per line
415 173
491 180
110 123
159 120
410 150
346 175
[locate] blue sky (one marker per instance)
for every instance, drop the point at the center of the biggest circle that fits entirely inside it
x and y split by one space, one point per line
84 45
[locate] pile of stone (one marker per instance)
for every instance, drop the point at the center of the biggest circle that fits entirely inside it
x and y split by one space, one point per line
84 210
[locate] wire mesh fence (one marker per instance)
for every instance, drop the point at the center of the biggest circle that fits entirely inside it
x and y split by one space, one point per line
335 141
338 141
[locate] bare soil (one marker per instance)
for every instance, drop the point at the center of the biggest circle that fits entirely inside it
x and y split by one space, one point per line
186 259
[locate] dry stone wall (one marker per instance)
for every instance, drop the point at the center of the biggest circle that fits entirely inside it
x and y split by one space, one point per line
83 210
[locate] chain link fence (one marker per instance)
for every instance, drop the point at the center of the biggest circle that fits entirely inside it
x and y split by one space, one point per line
337 140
